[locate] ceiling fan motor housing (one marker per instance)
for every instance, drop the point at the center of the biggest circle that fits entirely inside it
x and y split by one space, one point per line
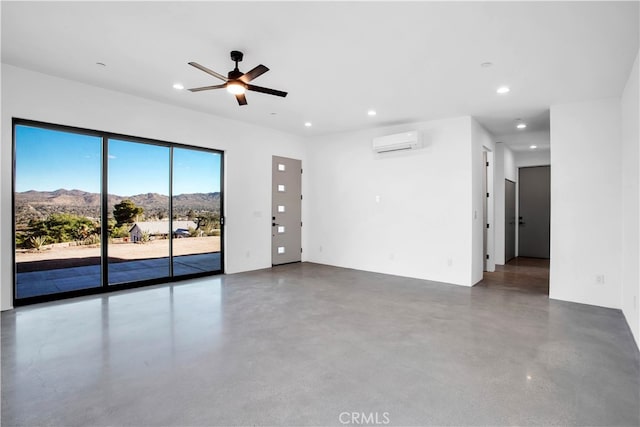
236 55
235 74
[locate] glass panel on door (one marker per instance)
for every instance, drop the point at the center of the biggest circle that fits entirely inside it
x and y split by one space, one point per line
196 211
138 211
57 211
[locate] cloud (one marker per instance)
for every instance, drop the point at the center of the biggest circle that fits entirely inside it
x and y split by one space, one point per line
111 156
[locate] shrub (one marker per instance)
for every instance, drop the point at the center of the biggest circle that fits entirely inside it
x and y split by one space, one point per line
122 231
37 242
94 239
62 227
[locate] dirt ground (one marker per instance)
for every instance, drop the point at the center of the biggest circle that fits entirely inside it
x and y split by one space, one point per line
75 256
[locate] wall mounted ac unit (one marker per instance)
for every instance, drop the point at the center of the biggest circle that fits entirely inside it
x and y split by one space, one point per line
399 141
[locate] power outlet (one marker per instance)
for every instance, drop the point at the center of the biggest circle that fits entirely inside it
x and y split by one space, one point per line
449 262
320 248
600 279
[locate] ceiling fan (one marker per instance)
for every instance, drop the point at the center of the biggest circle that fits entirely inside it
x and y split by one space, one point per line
236 81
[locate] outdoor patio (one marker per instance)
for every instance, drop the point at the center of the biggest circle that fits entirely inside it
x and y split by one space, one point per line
45 282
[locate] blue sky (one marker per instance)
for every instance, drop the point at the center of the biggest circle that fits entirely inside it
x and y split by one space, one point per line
47 160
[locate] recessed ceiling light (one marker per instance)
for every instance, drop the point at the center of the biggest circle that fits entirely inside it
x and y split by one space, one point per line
372 112
521 125
486 64
533 147
308 124
178 86
503 89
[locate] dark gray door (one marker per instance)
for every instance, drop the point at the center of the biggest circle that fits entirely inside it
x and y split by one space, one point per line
509 220
286 228
534 213
485 213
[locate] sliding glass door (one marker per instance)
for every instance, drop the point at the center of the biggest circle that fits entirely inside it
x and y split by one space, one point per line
57 209
160 204
138 211
196 211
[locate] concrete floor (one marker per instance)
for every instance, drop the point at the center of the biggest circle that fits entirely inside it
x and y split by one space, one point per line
520 274
302 344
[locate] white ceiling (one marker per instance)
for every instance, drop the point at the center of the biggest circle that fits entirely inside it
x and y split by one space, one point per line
410 61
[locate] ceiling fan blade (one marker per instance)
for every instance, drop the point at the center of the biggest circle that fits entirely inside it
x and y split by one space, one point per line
242 100
266 90
256 72
198 89
208 71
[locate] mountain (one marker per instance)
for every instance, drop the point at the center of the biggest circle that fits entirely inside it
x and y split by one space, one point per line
59 197
37 204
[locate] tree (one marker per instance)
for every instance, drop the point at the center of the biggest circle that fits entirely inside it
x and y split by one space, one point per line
58 228
208 222
126 212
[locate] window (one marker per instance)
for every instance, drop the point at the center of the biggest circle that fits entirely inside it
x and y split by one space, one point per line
160 203
196 211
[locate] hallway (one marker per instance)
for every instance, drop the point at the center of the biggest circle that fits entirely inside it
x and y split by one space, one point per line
521 274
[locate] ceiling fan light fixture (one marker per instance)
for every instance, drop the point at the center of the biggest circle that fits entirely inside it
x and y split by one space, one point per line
236 88
237 82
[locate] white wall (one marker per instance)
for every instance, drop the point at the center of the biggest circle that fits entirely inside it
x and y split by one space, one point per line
505 168
248 150
532 158
631 203
422 225
586 202
520 141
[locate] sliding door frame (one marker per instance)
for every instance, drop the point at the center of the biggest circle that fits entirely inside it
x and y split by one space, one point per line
104 214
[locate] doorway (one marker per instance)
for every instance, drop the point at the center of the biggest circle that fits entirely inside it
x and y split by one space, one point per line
520 274
534 212
286 208
488 262
96 211
509 220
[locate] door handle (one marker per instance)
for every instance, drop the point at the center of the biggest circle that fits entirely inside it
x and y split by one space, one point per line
273 224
